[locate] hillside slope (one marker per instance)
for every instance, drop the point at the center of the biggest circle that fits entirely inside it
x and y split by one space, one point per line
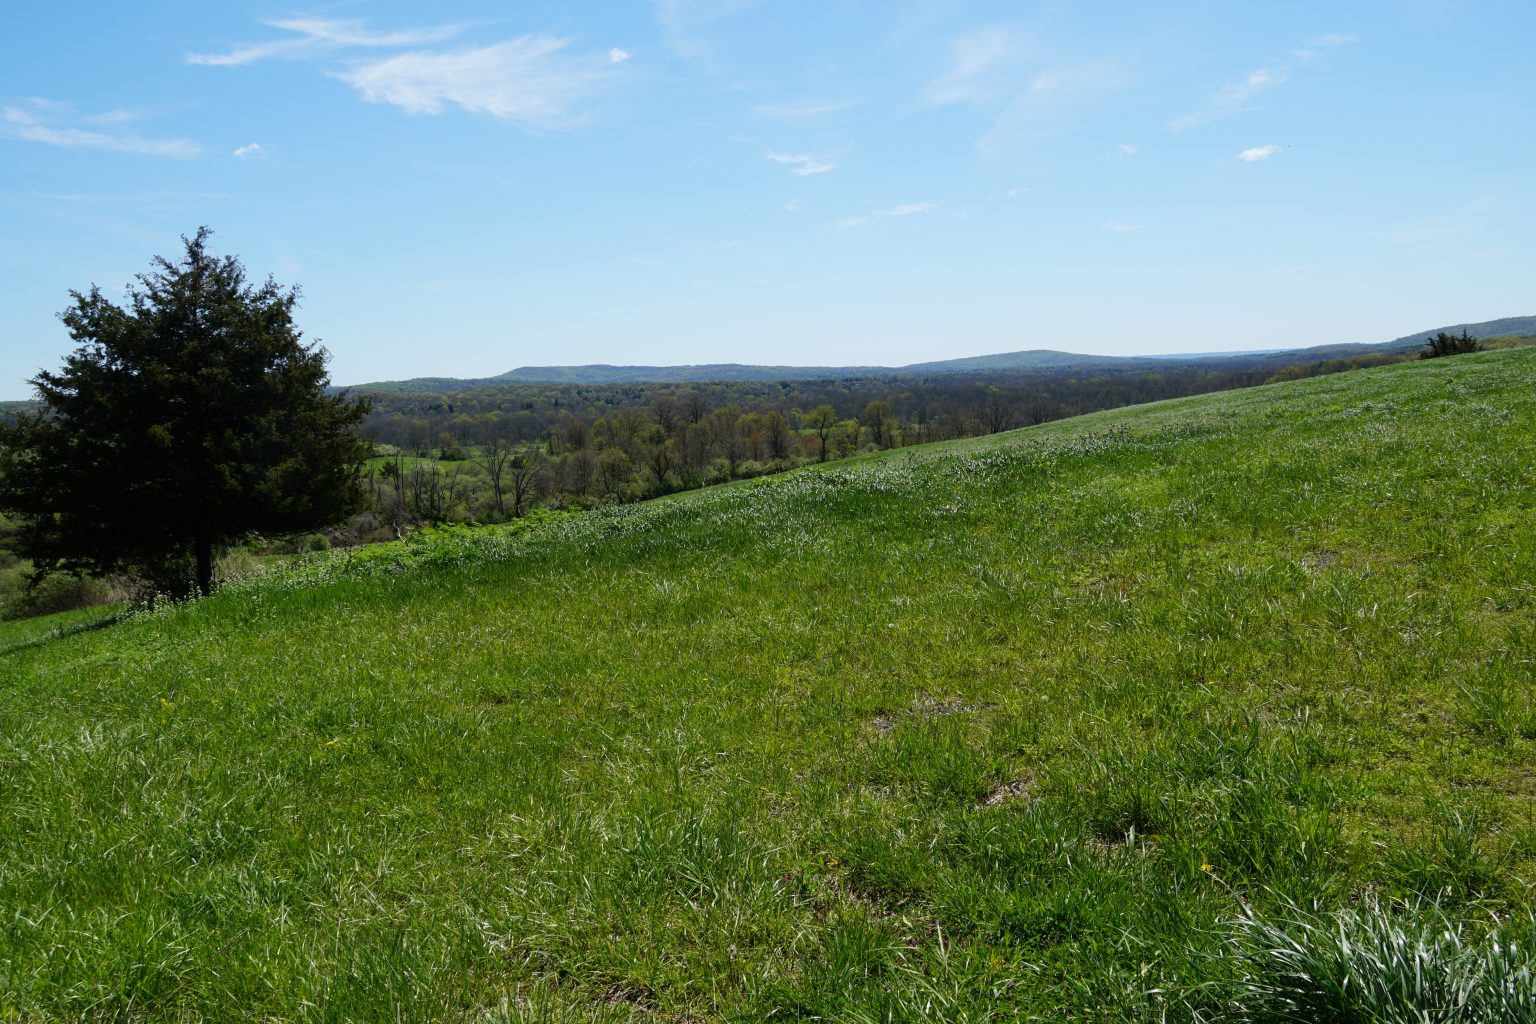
980 730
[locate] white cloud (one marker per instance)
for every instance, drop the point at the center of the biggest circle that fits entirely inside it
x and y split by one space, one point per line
795 205
1014 193
1125 150
1231 99
974 57
1254 154
802 164
48 122
904 210
530 80
316 37
248 150
1121 227
804 109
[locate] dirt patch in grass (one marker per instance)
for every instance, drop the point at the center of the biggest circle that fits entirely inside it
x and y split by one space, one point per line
1012 792
927 708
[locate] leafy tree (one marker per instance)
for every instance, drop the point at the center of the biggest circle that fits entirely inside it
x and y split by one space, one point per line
1444 344
822 421
184 420
877 417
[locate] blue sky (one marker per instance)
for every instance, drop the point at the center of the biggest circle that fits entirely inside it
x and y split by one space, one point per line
461 188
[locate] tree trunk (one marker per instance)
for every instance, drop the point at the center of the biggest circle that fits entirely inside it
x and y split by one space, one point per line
204 565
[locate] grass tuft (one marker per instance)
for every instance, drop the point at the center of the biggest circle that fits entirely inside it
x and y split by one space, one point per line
1413 964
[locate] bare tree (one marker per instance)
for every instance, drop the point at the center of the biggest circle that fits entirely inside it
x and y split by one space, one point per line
695 406
432 493
524 472
668 414
996 411
492 456
777 429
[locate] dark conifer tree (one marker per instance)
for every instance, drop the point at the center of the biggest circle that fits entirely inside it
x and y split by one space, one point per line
185 419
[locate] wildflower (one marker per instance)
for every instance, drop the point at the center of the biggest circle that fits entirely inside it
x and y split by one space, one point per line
1207 868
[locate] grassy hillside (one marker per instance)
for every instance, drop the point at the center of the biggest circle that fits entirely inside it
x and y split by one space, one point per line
1011 726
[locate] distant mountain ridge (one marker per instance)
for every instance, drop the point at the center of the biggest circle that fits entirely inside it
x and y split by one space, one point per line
1025 361
1041 360
1515 325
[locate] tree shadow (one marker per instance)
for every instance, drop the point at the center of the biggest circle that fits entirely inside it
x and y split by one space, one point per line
63 632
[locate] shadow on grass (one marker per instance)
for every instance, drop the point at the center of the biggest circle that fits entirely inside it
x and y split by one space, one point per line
61 632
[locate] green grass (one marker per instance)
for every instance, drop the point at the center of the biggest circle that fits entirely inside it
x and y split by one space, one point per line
1017 726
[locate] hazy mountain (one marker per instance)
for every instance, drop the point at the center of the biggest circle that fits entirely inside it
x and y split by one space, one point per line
1027 361
1518 325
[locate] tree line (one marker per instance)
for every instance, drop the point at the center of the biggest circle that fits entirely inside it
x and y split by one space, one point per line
494 451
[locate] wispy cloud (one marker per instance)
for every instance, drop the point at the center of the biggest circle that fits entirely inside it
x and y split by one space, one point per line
794 205
1120 227
249 150
52 123
904 210
1231 99
534 81
1125 151
804 109
1462 224
802 164
1254 154
1048 94
685 24
974 58
531 81
1328 42
120 116
318 37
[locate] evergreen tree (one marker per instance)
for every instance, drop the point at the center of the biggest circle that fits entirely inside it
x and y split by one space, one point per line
185 419
1444 344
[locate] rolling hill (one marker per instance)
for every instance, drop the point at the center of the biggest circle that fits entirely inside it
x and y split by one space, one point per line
1028 361
1080 722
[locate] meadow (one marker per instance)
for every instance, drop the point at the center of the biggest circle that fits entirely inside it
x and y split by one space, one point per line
1181 711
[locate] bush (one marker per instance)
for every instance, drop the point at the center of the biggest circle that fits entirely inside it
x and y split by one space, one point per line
717 472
